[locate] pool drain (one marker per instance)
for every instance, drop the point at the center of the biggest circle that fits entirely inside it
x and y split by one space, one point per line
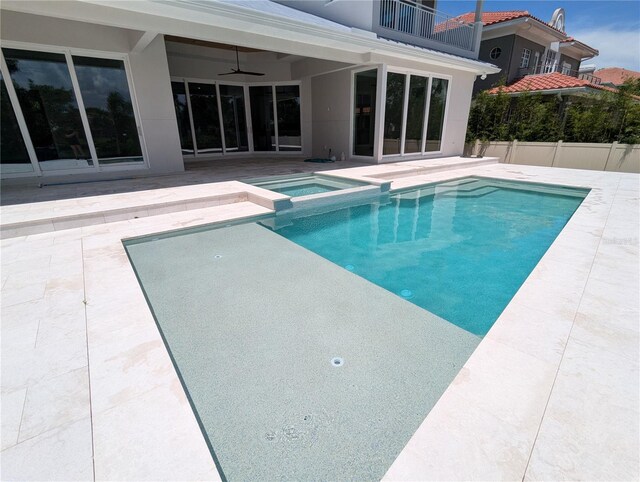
406 293
217 256
337 361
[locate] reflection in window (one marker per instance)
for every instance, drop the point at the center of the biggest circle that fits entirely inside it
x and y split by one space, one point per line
261 98
233 118
206 122
107 101
393 113
14 156
288 108
364 112
415 114
43 86
436 114
182 115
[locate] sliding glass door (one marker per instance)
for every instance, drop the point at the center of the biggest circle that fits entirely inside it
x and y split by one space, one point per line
216 115
262 120
410 100
42 83
288 111
107 101
62 112
206 119
364 112
234 119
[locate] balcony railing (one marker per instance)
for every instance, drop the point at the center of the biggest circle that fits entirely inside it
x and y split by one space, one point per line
421 22
547 69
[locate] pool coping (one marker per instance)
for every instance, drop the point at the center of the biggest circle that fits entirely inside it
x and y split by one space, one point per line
478 410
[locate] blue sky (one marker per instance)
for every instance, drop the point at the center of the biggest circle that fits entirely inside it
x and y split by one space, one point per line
612 27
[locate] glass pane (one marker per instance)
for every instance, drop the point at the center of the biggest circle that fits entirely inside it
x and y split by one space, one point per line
234 119
393 113
364 112
261 98
415 113
436 114
14 157
43 85
107 101
206 121
182 115
288 109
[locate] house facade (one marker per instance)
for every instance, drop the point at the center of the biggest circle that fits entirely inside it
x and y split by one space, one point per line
522 45
97 89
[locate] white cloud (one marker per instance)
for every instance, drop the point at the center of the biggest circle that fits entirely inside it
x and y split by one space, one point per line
618 47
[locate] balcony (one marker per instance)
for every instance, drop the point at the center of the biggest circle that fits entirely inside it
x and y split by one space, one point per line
411 22
548 69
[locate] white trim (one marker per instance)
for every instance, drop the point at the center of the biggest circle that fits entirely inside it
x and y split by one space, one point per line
248 118
381 97
220 116
83 111
193 130
405 112
275 117
427 102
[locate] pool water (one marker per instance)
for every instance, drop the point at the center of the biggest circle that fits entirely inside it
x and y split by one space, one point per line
459 249
303 185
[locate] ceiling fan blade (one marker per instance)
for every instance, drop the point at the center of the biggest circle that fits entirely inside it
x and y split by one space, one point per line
248 73
240 71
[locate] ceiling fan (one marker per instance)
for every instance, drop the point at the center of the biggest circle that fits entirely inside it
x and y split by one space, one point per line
238 70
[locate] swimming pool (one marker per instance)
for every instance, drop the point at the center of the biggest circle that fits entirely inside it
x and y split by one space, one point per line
459 249
315 350
303 185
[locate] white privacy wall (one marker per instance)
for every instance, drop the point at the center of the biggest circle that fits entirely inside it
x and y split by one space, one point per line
149 73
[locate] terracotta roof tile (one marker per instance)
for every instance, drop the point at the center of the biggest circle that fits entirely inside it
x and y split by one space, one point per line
552 81
616 75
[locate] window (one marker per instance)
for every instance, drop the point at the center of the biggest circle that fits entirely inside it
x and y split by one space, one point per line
288 111
14 157
183 116
524 60
48 101
415 113
105 91
234 119
566 68
495 53
264 134
406 130
437 106
536 62
206 120
364 113
78 112
393 113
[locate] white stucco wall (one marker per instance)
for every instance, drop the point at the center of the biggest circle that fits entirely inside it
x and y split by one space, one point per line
331 101
148 70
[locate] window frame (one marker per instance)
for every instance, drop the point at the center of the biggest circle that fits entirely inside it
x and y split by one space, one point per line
422 153
69 52
525 58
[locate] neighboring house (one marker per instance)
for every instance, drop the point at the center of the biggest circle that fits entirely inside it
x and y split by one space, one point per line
521 45
615 76
97 89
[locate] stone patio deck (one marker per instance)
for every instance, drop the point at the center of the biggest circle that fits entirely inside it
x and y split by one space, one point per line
552 392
